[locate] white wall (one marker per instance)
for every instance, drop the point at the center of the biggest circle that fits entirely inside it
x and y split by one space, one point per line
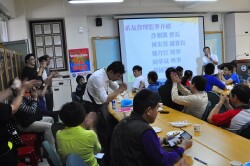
76 16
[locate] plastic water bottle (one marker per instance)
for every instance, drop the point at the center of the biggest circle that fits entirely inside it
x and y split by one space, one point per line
113 104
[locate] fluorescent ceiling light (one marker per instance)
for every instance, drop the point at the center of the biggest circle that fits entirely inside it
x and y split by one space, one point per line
195 0
94 1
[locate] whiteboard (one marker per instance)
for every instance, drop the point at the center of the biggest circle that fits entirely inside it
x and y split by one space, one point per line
106 50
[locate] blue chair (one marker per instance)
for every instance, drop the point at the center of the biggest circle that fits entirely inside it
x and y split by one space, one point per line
74 160
52 157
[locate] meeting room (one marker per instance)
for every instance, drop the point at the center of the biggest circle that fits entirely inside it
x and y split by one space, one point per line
125 82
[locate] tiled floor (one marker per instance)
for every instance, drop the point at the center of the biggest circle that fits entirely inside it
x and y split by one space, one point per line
44 163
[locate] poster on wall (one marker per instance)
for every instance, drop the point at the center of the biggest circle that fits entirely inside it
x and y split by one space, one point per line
79 62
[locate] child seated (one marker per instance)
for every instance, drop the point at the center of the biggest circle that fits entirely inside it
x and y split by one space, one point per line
75 138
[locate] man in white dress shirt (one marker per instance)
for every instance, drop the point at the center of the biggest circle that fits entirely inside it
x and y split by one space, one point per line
137 71
209 58
96 98
96 92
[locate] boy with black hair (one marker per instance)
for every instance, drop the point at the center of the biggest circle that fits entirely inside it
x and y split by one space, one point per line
137 71
75 138
81 86
229 76
211 79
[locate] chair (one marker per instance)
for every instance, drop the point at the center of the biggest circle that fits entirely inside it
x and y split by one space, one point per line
21 164
242 81
30 139
75 160
51 155
75 97
55 127
214 98
207 111
245 131
27 152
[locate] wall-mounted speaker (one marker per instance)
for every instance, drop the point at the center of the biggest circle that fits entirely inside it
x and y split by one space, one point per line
98 22
214 18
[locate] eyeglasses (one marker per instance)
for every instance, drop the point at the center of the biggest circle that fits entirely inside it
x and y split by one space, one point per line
32 59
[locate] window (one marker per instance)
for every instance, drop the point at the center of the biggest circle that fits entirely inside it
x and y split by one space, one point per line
48 38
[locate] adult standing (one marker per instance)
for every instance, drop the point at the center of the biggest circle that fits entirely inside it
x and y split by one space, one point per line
29 71
47 75
209 58
96 93
96 98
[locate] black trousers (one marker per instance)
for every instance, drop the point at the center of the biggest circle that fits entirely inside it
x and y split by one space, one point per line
49 101
10 158
104 127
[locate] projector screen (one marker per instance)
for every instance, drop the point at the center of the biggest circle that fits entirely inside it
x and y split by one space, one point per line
159 43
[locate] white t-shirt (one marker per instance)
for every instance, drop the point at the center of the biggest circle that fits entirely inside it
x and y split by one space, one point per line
205 61
136 84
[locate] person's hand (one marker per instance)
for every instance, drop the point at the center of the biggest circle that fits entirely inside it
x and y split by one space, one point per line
90 119
186 144
209 56
47 81
122 87
172 136
142 84
223 99
54 74
30 84
182 162
227 100
174 77
16 84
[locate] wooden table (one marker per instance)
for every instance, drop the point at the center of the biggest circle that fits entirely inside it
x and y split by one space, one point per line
223 142
220 91
214 145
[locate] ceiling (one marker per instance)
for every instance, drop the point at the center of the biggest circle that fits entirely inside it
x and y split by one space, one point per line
164 6
126 7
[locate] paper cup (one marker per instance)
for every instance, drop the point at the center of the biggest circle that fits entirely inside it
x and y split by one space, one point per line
197 127
161 104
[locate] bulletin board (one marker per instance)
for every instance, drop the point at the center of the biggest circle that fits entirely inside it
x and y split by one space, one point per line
105 51
214 40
